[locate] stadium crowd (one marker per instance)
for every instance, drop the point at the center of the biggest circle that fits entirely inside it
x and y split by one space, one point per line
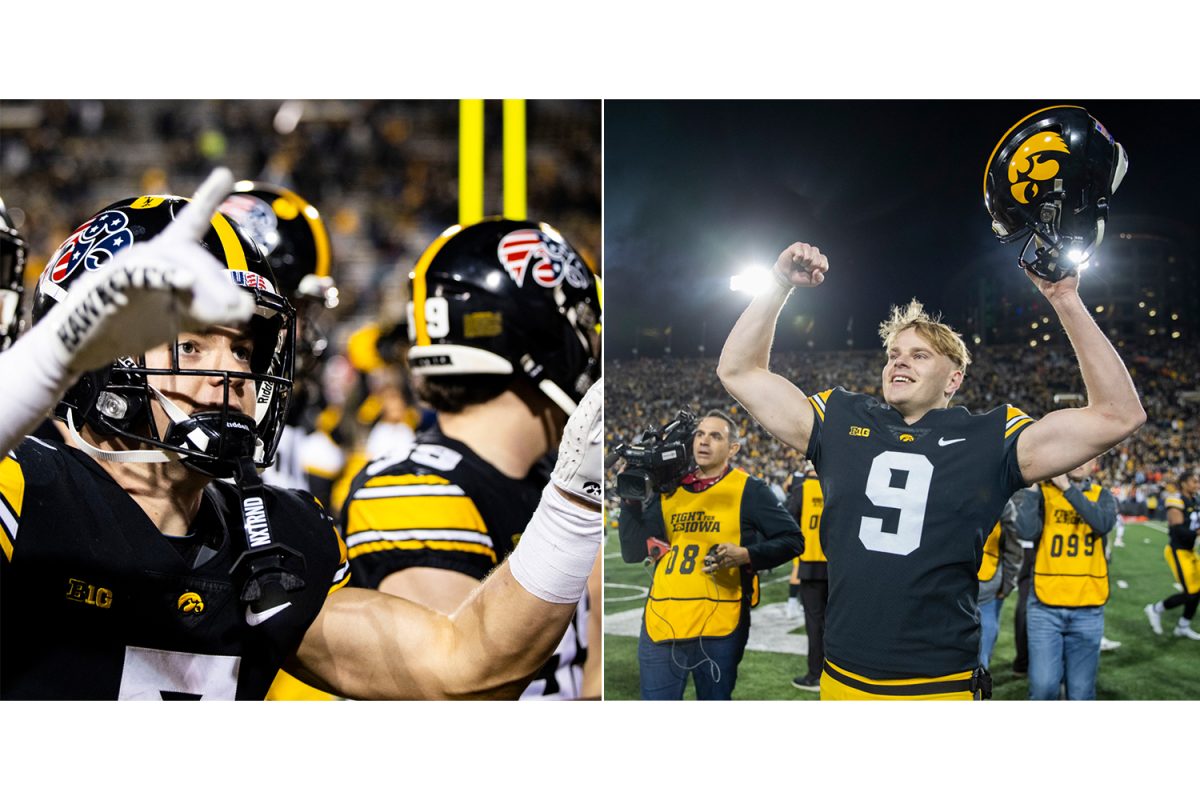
382 173
646 392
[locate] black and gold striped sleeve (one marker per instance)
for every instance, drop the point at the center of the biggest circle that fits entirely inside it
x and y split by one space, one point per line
398 521
1015 421
12 497
819 402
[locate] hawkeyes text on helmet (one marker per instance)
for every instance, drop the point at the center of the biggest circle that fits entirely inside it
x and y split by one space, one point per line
507 297
117 400
1050 178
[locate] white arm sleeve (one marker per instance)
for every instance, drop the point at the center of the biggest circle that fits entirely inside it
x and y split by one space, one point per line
33 383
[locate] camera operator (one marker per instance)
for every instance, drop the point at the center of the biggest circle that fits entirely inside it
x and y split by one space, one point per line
708 537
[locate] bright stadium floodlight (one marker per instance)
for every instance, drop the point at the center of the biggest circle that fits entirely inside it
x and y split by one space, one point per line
751 280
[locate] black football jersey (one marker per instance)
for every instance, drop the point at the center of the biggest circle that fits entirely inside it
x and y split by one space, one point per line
907 511
442 506
1190 507
96 603
438 505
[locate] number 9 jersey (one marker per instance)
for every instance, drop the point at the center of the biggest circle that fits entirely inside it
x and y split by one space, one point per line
907 511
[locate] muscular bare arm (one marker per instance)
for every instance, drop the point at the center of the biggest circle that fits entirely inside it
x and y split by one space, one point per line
773 400
593 683
1064 439
440 589
369 645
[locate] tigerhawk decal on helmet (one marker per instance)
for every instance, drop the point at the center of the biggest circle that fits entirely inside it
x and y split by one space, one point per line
1051 177
117 400
507 297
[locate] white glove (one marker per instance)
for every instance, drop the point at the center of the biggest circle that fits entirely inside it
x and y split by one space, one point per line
580 466
150 291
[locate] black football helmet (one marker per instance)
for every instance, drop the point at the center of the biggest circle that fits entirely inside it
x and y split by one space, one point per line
117 400
12 278
1051 178
292 235
290 232
507 297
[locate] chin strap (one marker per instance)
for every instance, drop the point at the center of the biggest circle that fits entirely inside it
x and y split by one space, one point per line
123 456
268 571
176 414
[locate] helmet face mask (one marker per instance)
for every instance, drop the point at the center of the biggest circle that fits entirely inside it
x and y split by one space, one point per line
127 399
12 278
1050 179
507 297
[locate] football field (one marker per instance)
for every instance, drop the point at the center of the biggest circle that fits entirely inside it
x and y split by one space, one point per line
1144 667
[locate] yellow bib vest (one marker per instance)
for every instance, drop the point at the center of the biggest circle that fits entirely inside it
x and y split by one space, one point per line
810 521
1070 569
991 555
685 602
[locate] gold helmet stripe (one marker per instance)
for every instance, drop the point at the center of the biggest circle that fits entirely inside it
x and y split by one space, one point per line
315 225
419 288
987 168
235 256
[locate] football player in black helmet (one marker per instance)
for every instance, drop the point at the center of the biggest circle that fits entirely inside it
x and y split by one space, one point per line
1050 178
292 236
135 399
504 325
128 572
12 278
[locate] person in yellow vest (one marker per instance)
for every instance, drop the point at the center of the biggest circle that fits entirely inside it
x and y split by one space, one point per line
812 574
720 527
1065 617
1183 519
997 578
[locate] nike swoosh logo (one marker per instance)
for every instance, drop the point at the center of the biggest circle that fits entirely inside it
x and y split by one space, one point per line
944 442
259 618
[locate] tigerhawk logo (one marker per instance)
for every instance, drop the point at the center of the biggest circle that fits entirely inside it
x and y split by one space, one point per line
190 603
1033 163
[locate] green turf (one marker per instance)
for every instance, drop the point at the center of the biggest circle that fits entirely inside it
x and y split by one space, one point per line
1145 667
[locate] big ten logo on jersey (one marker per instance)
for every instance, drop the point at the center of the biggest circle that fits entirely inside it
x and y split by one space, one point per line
537 253
86 593
92 243
1066 516
857 431
695 522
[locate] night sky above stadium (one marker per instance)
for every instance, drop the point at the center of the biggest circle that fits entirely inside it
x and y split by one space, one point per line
891 191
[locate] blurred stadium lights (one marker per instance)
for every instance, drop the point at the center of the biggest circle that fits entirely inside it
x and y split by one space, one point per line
288 116
751 280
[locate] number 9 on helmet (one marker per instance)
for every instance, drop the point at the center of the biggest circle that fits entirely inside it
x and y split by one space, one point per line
507 297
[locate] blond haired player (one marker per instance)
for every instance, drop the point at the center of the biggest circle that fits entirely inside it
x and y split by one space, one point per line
912 486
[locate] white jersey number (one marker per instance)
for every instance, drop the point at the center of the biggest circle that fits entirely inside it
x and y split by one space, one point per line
151 674
909 500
